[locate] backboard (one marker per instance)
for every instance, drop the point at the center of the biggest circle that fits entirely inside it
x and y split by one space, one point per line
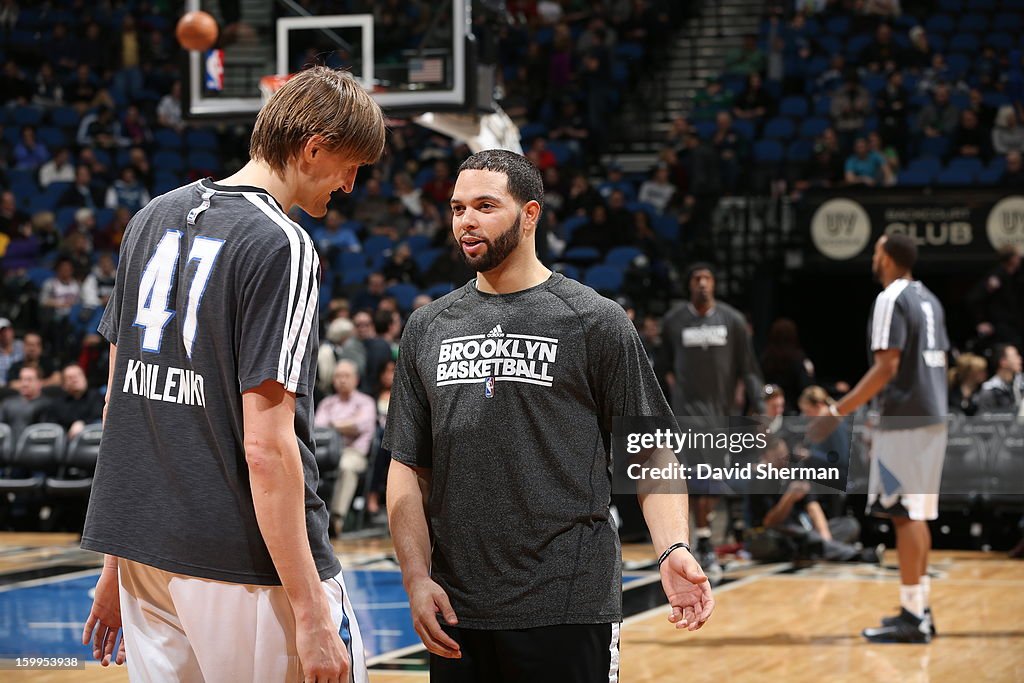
413 57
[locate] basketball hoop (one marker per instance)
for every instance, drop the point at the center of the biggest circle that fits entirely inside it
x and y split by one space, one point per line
271 84
489 131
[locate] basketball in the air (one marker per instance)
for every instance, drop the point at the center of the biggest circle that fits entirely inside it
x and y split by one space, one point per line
197 31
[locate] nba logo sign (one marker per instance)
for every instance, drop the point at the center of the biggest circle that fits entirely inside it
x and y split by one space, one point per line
214 70
489 387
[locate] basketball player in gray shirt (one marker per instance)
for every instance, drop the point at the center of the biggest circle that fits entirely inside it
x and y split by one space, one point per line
218 563
908 341
500 484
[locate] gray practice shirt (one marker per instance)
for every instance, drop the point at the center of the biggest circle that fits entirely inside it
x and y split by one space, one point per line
509 400
216 293
908 317
709 354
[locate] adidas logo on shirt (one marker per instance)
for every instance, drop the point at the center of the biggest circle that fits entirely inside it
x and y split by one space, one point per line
496 332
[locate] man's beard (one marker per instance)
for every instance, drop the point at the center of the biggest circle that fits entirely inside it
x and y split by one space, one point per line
497 251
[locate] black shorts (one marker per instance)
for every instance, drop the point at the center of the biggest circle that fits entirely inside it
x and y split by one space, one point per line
566 653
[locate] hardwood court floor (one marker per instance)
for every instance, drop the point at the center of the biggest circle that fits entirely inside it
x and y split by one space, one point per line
768 626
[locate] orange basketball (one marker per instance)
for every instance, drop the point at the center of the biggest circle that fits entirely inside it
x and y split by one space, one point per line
197 31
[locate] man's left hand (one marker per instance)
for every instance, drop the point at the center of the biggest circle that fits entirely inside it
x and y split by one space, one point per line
687 590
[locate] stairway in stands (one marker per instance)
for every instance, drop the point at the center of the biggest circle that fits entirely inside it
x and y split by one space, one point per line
698 52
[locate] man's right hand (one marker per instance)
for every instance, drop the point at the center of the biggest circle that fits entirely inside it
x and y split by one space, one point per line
427 600
323 655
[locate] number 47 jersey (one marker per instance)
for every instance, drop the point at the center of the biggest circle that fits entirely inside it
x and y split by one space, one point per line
216 293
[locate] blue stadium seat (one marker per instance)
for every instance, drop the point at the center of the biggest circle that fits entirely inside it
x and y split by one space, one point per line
914 178
983 5
168 161
345 261
934 147
1008 21
829 45
354 276
997 164
838 26
37 276
667 227
951 6
959 65
745 128
1001 40
967 43
26 116
582 254
939 23
705 129
205 161
201 138
570 225
767 151
425 258
823 105
929 165
165 182
54 191
874 83
856 44
779 129
52 137
973 23
418 242
166 138
562 151
527 132
404 294
795 106
440 289
970 165
955 176
800 151
995 99
605 279
629 51
990 176
815 66
813 127
621 256
376 245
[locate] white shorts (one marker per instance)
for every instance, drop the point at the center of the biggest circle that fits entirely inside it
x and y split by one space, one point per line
188 629
906 471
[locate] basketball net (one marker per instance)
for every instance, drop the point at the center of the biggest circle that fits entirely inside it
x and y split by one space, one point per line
489 131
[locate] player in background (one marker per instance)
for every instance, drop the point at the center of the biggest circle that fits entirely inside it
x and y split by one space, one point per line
218 565
908 342
499 429
708 353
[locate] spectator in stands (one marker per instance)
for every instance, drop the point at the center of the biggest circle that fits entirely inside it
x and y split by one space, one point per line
101 172
369 327
542 157
373 205
746 59
401 268
380 463
970 139
369 297
919 56
139 162
706 104
340 344
136 129
1003 392
11 217
582 197
353 415
866 167
410 195
1013 176
731 149
791 525
753 102
81 92
168 111
450 267
333 238
939 117
571 128
824 169
14 86
83 192
11 350
127 191
889 9
60 292
439 187
888 152
29 153
62 48
101 129
986 114
421 300
33 357
59 169
892 112
784 362
965 378
99 284
815 402
850 107
79 405
833 77
996 300
48 90
657 190
22 252
1007 135
97 50
45 230
29 406
774 400
884 54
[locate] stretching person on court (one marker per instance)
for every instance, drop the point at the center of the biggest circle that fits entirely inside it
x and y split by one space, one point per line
499 428
908 343
218 566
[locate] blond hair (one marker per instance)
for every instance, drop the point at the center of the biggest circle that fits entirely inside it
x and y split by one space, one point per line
815 395
323 102
965 363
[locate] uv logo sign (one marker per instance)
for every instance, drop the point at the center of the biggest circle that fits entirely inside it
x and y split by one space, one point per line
840 229
1006 223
